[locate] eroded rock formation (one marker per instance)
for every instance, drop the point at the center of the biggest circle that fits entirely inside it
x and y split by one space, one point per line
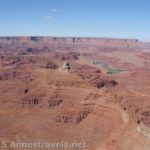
51 65
73 117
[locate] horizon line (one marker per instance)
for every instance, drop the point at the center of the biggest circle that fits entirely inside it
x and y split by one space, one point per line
96 37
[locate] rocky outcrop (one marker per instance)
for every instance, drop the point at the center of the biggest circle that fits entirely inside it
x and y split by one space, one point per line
94 76
51 65
53 102
79 84
23 90
106 83
92 96
17 60
144 117
73 117
32 100
20 60
36 50
144 130
137 108
84 69
8 75
67 56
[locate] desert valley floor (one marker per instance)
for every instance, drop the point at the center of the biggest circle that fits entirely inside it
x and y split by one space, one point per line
91 90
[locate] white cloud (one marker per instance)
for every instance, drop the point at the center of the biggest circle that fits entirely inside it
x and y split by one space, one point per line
48 17
54 10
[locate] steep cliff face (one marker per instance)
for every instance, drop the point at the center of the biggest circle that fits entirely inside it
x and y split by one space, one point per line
59 41
68 39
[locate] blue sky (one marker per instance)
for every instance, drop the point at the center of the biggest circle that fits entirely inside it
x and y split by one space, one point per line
86 18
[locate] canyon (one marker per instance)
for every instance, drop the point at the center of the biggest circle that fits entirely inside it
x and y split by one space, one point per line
75 89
